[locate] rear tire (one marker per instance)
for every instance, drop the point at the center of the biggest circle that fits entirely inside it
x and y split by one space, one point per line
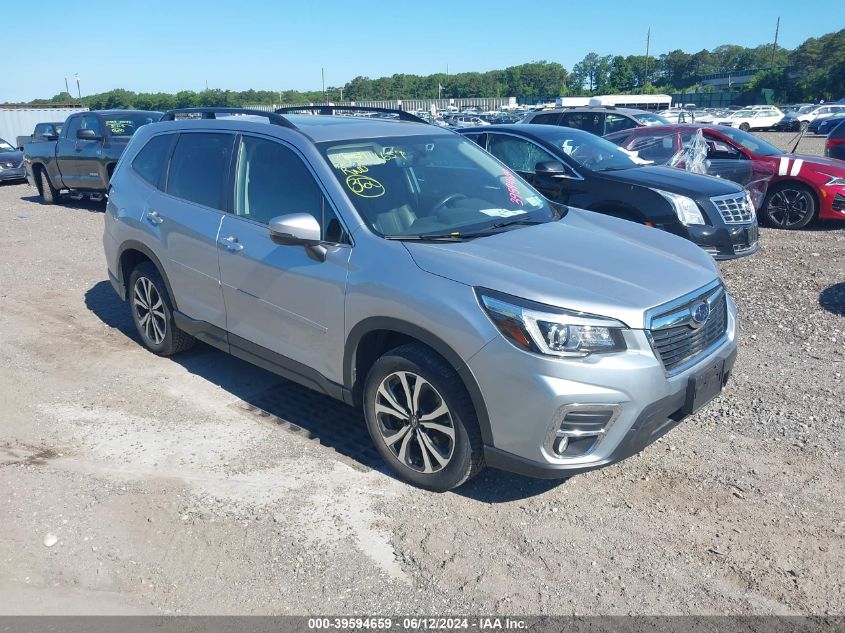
49 194
745 127
421 419
152 312
789 205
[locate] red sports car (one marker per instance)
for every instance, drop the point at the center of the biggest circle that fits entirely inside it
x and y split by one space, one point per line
801 187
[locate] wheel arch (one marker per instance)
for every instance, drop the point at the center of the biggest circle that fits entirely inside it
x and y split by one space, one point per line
794 182
131 254
371 338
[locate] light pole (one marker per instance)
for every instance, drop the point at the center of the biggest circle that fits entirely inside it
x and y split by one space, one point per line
78 89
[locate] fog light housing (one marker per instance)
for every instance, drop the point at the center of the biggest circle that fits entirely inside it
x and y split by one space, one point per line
579 429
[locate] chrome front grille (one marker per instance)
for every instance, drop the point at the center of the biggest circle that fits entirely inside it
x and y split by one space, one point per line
734 209
679 335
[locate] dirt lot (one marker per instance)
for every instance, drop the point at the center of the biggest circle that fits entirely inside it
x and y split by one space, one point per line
201 484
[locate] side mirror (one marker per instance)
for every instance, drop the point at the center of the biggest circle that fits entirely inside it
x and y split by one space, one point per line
88 135
298 229
552 169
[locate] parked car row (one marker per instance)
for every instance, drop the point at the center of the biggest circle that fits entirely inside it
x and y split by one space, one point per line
400 268
802 187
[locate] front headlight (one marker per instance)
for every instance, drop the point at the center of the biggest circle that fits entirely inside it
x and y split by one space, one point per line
749 201
542 329
835 181
685 208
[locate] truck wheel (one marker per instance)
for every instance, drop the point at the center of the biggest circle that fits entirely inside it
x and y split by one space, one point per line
49 194
789 205
421 419
152 312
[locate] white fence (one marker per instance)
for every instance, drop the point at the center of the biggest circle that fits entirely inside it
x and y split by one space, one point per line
412 105
15 122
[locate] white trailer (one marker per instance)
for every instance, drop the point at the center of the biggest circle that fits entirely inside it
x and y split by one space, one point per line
21 121
641 102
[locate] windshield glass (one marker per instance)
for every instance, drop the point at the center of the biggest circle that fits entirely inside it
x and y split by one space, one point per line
647 118
5 147
126 124
588 150
408 186
750 142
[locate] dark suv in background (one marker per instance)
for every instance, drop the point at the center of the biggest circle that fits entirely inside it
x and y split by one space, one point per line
598 120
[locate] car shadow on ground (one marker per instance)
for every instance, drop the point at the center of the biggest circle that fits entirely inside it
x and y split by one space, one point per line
84 204
832 299
297 409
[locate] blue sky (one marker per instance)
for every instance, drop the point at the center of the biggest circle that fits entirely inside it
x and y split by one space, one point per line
149 46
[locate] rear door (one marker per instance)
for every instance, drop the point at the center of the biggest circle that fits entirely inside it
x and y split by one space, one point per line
282 298
592 122
186 218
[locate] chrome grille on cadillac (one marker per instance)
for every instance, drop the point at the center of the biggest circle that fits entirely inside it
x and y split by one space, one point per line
682 330
734 209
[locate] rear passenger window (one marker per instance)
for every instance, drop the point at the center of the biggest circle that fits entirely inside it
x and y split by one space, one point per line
592 122
150 162
199 168
272 180
546 119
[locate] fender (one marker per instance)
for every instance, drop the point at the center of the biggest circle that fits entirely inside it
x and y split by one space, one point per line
424 336
142 248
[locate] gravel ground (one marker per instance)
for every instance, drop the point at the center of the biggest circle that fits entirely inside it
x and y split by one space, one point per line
201 484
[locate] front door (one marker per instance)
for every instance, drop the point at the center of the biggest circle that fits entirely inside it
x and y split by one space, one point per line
522 156
283 299
89 155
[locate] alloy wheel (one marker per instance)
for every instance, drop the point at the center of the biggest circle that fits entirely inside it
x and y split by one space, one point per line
149 310
788 207
415 422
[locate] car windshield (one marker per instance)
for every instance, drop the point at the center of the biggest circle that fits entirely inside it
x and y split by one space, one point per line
648 118
127 124
431 186
5 147
588 150
750 142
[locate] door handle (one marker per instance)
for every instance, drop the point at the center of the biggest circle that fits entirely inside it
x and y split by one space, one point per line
153 217
231 243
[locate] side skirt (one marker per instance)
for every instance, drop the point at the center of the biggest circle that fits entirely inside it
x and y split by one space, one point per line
262 357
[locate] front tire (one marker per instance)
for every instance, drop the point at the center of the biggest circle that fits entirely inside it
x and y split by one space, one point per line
789 205
49 194
152 312
745 127
421 419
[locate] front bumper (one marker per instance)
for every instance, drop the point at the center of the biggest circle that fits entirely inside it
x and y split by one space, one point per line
526 393
722 242
14 173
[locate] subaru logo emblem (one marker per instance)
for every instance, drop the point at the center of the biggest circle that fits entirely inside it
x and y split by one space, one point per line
700 312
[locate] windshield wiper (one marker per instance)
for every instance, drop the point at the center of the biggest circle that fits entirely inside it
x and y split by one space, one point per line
430 237
522 221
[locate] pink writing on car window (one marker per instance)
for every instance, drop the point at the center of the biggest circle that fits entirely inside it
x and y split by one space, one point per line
513 193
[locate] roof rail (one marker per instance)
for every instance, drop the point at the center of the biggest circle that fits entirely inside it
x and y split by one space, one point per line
332 109
211 113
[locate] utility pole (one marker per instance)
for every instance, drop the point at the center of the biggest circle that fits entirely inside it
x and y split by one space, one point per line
647 43
78 89
67 89
341 94
775 45
323 74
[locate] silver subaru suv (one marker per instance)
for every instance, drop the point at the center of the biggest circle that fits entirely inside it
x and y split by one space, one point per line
400 268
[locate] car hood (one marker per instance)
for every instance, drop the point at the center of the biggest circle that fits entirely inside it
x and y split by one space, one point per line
674 180
586 262
13 157
820 163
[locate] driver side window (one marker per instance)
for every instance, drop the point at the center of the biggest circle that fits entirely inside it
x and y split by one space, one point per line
271 180
516 153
